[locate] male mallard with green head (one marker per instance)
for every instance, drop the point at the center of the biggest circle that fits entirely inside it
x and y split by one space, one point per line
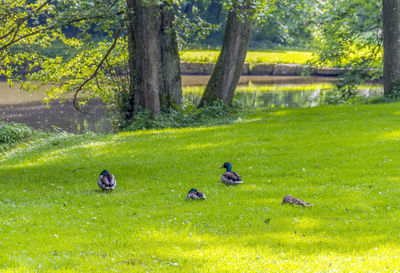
106 181
230 177
195 194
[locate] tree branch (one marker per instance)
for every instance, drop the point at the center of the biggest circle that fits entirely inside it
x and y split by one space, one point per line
99 65
20 21
14 40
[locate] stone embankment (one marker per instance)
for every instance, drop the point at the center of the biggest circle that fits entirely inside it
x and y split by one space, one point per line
264 69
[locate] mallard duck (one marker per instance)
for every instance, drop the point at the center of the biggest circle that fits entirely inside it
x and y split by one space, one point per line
229 177
106 181
195 194
288 199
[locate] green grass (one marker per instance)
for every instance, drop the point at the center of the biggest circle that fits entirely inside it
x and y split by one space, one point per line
343 159
252 57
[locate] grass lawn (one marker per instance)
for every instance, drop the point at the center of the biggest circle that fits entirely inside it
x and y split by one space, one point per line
343 159
252 57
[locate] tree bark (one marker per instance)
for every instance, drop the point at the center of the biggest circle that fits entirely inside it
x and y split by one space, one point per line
171 85
127 103
155 81
228 68
391 45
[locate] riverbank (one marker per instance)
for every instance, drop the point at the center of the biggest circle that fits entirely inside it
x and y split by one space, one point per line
20 106
342 159
265 69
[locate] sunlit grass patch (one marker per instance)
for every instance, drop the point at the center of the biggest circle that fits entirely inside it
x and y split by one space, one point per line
342 159
252 57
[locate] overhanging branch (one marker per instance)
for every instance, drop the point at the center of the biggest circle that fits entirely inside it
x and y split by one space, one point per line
94 74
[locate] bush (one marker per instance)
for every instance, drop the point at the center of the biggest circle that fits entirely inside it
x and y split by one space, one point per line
13 132
187 115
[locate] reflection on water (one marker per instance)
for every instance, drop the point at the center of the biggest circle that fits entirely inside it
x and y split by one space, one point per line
245 80
267 96
22 107
278 99
19 106
59 115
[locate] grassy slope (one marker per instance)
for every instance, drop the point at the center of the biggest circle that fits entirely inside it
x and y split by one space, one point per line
54 219
252 57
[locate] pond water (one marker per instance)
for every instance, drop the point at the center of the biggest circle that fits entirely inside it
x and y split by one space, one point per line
253 91
273 96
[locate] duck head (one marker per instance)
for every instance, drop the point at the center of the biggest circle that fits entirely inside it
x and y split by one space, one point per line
227 166
105 172
192 190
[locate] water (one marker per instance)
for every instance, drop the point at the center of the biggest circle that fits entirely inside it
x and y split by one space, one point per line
269 96
254 91
268 80
19 106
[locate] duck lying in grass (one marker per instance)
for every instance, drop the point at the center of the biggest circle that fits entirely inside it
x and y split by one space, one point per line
230 177
106 181
195 194
288 199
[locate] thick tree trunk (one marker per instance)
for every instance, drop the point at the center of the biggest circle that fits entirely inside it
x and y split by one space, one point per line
391 45
171 91
127 102
153 57
228 68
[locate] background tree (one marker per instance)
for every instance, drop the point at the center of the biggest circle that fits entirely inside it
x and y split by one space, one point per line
349 34
155 80
391 46
288 23
24 24
134 66
228 68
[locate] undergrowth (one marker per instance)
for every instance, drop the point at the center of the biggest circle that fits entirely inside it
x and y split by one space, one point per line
187 115
12 132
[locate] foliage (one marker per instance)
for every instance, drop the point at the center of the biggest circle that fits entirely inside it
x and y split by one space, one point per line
288 24
343 159
10 133
34 27
361 94
188 115
349 34
192 29
24 25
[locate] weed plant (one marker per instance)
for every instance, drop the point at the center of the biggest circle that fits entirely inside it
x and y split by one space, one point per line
12 132
188 115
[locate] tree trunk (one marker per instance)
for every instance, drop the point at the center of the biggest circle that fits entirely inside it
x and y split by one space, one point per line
228 68
127 103
171 91
391 45
155 81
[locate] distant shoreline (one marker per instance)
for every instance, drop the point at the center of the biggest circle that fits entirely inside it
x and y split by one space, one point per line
265 69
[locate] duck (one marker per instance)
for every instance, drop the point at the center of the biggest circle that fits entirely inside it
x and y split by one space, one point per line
106 181
195 194
230 177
